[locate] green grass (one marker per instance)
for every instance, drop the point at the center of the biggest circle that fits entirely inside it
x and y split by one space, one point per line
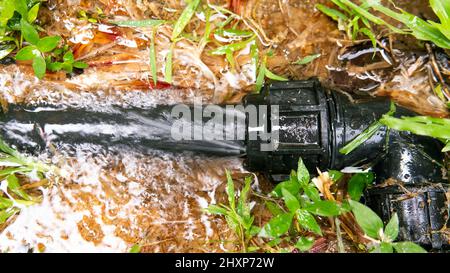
298 210
13 166
359 19
228 28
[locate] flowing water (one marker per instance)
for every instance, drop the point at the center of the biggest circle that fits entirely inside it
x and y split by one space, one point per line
110 199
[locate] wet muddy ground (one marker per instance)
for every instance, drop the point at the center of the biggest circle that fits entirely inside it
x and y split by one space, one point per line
110 201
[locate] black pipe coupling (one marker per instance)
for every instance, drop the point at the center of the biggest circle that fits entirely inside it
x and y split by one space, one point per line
315 123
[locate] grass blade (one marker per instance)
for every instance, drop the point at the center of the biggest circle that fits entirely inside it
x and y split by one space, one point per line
184 19
274 77
153 66
307 59
369 16
432 129
140 23
169 65
334 14
366 134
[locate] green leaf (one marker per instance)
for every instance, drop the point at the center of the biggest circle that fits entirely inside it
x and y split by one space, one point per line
14 186
10 161
392 228
360 139
48 43
33 13
305 243
28 53
418 27
243 209
334 14
236 33
277 226
312 192
5 148
169 65
383 248
39 67
291 186
7 12
307 59
135 249
67 66
442 9
425 126
254 230
230 191
358 183
140 23
153 65
324 208
54 66
368 220
5 203
252 249
274 242
213 209
371 36
273 208
408 247
260 77
29 33
80 65
184 19
369 16
21 7
6 49
232 222
446 148
68 57
274 77
6 214
302 173
231 47
335 175
366 134
291 202
307 221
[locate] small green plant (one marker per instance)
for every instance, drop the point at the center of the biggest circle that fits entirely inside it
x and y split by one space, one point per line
353 21
63 59
302 203
238 212
382 237
297 208
37 48
17 24
13 164
264 72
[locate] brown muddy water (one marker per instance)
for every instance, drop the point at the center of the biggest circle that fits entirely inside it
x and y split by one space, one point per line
107 201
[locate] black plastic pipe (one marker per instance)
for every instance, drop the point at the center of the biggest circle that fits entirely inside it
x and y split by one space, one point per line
310 122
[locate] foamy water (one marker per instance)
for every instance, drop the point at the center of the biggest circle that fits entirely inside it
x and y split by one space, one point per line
107 203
